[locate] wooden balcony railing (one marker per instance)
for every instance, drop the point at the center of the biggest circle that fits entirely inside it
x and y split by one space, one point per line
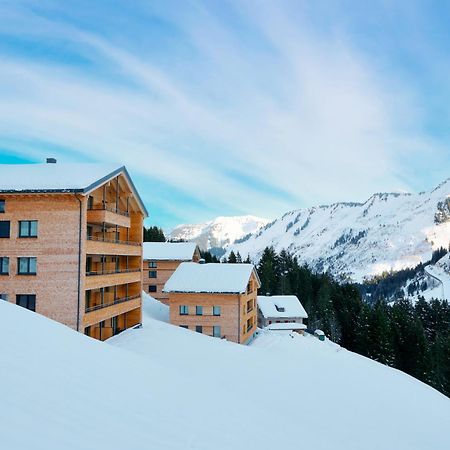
110 209
113 241
110 272
114 302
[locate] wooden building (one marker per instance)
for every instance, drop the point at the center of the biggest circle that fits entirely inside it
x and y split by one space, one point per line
161 259
281 312
215 299
71 244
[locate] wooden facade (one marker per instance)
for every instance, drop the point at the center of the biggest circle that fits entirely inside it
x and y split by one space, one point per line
86 249
237 313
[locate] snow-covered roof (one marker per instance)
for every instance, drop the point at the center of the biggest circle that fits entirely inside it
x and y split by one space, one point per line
286 326
60 177
281 306
169 251
211 278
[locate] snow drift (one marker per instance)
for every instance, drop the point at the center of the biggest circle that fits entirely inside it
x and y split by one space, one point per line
162 387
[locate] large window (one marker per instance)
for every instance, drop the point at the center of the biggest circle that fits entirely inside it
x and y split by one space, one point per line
199 310
4 265
4 228
184 310
199 329
216 310
28 228
2 206
152 273
152 288
26 265
26 301
216 331
152 264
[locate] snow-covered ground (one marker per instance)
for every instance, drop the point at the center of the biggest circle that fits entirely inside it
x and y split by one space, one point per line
441 273
161 387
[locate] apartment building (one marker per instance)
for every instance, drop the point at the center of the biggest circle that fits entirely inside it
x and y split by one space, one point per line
71 244
215 299
161 259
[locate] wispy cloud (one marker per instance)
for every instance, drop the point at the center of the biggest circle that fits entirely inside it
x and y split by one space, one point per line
232 107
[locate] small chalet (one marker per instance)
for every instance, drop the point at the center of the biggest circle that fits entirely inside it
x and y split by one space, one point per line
281 312
215 299
160 261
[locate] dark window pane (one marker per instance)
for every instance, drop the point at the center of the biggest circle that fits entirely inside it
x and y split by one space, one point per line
4 228
152 288
2 206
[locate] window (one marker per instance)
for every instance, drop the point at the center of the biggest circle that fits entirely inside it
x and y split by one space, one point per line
26 266
216 310
199 329
4 228
26 301
28 228
216 331
152 288
152 264
152 273
87 331
199 310
184 326
4 265
184 310
4 297
2 206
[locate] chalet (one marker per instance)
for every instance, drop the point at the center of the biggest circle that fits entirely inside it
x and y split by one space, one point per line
161 259
281 312
71 244
215 299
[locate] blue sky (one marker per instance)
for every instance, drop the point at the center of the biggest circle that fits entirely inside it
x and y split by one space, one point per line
232 107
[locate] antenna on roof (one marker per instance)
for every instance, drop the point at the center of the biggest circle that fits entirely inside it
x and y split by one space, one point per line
51 160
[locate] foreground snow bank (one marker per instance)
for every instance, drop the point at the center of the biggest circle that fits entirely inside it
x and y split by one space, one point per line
161 387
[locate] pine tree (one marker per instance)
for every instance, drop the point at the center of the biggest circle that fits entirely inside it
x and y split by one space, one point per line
232 258
380 347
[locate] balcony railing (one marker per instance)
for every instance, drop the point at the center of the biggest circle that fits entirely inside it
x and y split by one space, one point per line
249 309
113 241
114 302
110 209
110 272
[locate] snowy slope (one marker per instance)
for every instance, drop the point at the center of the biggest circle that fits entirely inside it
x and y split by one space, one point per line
441 273
162 387
220 232
357 240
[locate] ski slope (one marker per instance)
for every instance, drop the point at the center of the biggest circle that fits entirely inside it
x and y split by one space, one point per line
161 387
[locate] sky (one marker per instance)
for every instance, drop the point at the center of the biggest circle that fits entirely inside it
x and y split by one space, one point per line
231 107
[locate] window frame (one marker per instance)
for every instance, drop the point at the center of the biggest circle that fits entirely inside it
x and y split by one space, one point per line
3 258
214 311
215 327
28 235
199 329
182 311
152 265
28 258
151 290
9 229
155 272
2 206
28 298
197 309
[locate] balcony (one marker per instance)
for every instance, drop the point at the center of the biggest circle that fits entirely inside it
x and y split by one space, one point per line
108 215
111 303
111 310
104 278
103 246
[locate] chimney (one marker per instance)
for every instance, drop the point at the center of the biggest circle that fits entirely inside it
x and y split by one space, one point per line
51 161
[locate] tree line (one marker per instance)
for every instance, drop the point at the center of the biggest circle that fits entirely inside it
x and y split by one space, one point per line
414 338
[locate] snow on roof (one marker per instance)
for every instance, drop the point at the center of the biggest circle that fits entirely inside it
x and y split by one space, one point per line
169 251
286 326
76 177
281 306
211 278
53 177
319 333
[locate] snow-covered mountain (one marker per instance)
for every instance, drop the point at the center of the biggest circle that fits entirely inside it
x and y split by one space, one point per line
220 232
389 231
166 388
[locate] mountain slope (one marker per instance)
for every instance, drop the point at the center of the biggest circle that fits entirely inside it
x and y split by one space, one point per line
357 240
162 387
218 233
